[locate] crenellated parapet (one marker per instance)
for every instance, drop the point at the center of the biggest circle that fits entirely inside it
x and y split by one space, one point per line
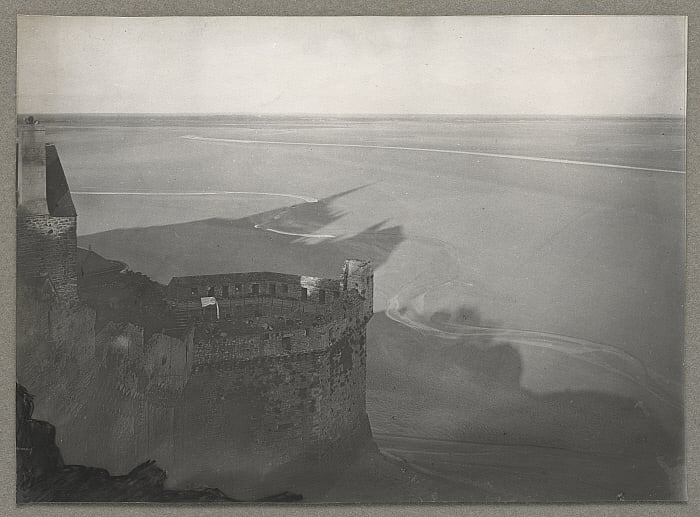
279 375
240 316
260 371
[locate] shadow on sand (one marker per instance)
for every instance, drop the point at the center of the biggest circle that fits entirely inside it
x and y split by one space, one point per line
219 245
429 398
458 409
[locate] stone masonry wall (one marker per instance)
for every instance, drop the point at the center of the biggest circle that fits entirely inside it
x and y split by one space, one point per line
358 275
221 344
249 410
249 417
234 285
166 361
47 245
239 404
126 409
342 406
55 344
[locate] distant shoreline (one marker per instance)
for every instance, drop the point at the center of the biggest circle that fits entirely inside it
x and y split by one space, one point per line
145 118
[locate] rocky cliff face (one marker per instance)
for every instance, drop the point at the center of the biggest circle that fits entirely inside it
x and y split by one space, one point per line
42 475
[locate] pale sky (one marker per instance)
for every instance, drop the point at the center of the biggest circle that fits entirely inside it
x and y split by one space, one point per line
454 65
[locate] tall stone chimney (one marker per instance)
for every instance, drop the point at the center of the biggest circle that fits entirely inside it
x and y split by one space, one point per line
31 168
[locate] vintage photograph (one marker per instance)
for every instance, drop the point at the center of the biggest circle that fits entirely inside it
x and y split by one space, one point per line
351 259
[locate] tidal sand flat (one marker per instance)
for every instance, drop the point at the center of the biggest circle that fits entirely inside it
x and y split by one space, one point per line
520 302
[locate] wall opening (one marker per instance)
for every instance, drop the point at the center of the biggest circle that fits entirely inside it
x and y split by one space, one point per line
304 294
321 296
273 289
255 289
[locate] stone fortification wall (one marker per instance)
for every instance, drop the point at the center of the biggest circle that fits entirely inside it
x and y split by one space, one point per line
238 285
273 399
249 307
271 333
156 369
119 339
290 386
55 342
248 417
286 381
358 275
342 406
129 413
47 245
243 295
55 357
215 351
169 361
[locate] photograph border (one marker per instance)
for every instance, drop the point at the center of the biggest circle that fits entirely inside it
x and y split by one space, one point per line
11 8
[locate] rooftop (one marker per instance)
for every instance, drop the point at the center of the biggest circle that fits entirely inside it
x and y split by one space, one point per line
58 196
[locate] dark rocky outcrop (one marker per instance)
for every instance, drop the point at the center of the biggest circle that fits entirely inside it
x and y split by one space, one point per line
42 475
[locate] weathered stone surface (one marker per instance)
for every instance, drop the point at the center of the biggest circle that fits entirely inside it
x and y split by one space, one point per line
277 379
47 246
42 475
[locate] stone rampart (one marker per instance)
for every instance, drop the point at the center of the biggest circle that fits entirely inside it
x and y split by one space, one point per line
277 381
47 245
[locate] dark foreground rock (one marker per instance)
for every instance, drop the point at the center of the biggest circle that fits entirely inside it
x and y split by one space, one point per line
42 475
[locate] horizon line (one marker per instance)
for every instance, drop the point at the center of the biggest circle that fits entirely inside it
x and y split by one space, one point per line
341 114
